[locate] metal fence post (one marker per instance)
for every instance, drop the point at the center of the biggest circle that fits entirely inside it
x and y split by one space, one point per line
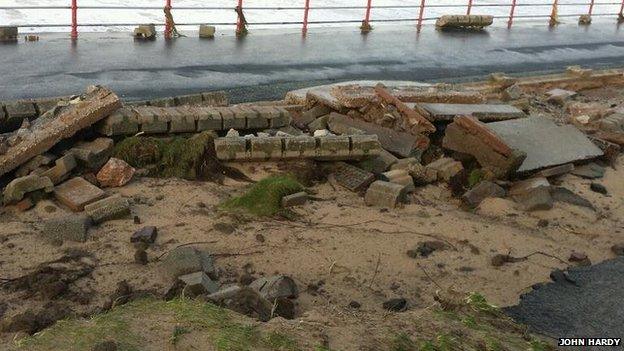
421 11
554 17
511 13
591 7
469 9
74 9
239 21
304 30
366 27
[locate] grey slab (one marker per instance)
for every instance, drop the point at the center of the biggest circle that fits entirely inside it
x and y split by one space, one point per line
545 143
484 112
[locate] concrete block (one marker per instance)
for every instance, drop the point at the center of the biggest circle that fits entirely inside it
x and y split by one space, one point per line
19 187
319 123
445 168
364 145
464 21
351 177
208 119
266 148
228 149
314 113
181 120
8 33
76 193
119 123
401 177
69 228
230 120
384 194
34 163
482 191
299 147
380 163
93 154
62 169
198 283
297 199
333 147
110 208
207 31
145 31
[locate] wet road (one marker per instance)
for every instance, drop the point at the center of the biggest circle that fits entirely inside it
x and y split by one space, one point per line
268 63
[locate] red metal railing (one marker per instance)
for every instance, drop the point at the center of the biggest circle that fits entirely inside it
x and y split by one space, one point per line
367 6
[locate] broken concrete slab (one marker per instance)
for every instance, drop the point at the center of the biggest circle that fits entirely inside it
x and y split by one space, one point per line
61 170
464 21
545 143
45 132
589 171
188 259
556 170
19 187
532 194
562 194
399 176
399 143
483 112
76 193
110 208
445 168
351 177
384 194
559 96
68 228
482 191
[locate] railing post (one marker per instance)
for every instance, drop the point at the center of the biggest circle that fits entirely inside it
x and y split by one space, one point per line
306 9
511 13
621 14
554 17
469 9
168 29
239 21
366 27
421 11
591 7
74 9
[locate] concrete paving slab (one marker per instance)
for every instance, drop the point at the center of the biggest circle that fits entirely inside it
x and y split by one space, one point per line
545 143
484 112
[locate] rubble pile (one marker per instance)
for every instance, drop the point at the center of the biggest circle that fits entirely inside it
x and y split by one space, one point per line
381 140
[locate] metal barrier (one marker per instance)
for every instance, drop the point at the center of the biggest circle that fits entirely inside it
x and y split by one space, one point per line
306 8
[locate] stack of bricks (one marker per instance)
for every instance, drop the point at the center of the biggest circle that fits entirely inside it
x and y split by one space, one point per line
343 147
192 119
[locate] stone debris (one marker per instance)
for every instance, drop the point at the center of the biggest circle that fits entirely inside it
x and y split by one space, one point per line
93 154
562 194
76 193
275 287
444 168
589 171
188 259
296 199
384 194
8 33
399 176
532 194
115 173
68 228
351 177
207 31
197 283
83 112
145 235
556 170
114 207
482 112
464 21
482 191
145 31
20 187
598 188
34 164
61 170
559 96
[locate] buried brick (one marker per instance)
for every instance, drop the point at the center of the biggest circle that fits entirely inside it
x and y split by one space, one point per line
110 208
384 194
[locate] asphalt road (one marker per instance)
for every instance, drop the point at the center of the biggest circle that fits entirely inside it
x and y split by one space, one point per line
268 63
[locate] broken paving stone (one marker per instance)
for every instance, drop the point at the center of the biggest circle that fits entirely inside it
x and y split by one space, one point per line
61 169
314 113
482 191
19 187
76 193
197 283
384 194
445 168
395 305
297 199
319 123
598 188
93 154
532 194
351 177
589 171
556 171
115 173
562 194
482 112
145 235
400 176
188 259
69 228
545 143
114 207
274 287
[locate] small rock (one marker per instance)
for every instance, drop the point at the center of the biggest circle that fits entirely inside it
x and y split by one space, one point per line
140 256
137 220
297 199
598 188
225 228
589 171
355 305
198 283
482 191
542 223
146 234
275 287
188 259
115 173
580 258
232 133
395 305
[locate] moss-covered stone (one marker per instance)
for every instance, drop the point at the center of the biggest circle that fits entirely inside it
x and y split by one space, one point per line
264 198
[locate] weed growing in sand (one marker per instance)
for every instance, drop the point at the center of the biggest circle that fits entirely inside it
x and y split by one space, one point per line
264 197
178 331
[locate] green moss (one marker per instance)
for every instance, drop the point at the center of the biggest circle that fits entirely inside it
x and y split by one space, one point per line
278 341
171 157
264 197
475 177
480 304
402 342
178 331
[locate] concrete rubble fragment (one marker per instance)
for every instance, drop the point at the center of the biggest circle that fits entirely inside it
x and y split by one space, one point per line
275 287
589 171
483 112
8 33
482 191
414 119
19 187
84 111
559 96
444 168
145 235
544 143
68 228
93 154
76 193
384 194
400 176
556 170
562 194
61 170
33 164
188 259
464 21
207 31
145 31
296 199
197 283
532 194
115 173
351 177
109 208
